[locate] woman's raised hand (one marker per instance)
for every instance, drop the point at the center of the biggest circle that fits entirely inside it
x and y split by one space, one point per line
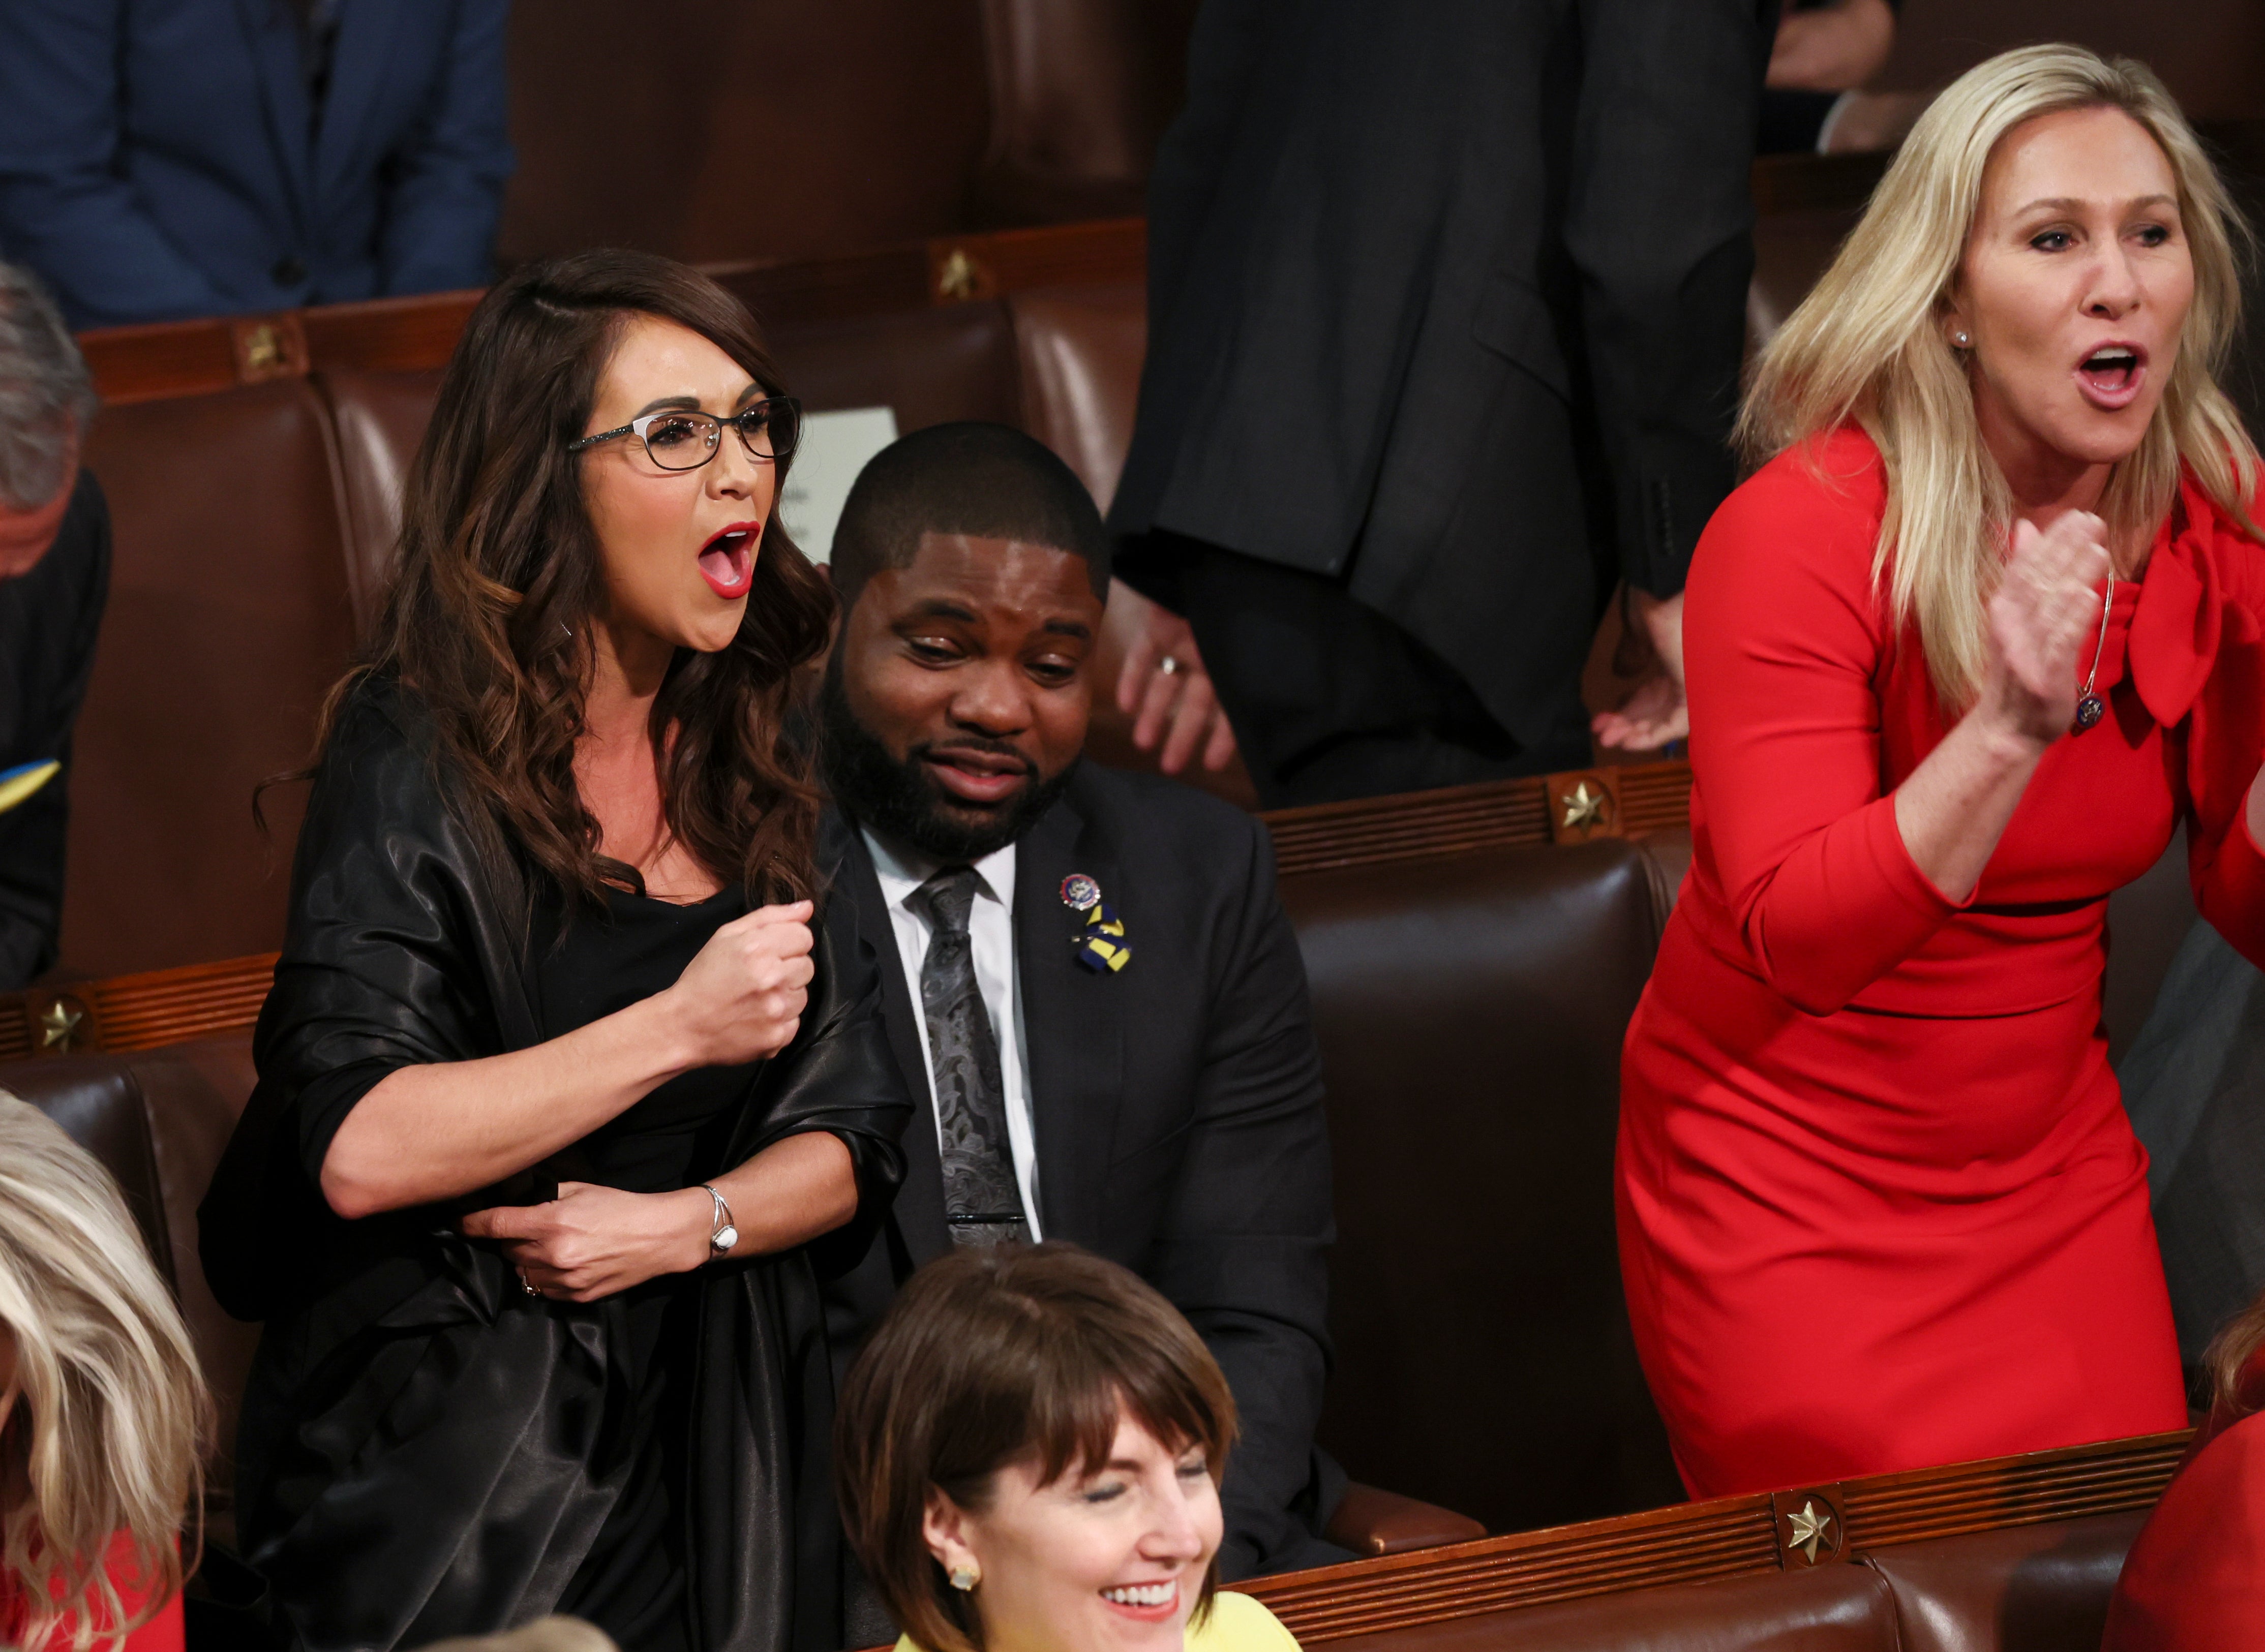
2044 620
741 998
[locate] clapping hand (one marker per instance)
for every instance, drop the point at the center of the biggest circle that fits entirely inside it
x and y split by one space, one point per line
2044 619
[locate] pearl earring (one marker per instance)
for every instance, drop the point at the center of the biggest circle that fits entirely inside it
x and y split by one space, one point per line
1962 341
964 1578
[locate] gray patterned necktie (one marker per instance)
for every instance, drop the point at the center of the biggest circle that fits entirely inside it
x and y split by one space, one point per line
981 1199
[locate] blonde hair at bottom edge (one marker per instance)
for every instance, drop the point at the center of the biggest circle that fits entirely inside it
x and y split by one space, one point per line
110 1408
544 1634
1867 345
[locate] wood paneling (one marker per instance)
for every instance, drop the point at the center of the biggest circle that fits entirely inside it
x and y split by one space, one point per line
136 1012
1414 825
1700 1542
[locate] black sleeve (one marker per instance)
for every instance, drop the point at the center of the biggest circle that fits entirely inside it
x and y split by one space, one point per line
839 1075
56 615
1659 226
382 967
1245 1246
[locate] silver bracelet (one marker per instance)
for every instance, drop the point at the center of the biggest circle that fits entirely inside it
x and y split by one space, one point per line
726 1235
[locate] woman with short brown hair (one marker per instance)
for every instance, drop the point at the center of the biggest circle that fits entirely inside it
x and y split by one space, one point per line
1028 1458
561 1075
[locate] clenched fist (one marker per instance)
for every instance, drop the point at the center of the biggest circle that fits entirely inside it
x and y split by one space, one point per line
741 999
2044 624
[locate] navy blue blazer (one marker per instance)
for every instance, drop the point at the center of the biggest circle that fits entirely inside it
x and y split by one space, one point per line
158 161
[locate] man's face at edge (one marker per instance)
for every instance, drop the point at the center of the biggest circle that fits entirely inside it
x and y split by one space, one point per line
957 699
25 535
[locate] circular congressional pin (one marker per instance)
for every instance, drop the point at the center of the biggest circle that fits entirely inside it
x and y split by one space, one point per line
1080 893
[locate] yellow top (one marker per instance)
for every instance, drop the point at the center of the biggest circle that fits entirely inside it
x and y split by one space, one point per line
1237 1624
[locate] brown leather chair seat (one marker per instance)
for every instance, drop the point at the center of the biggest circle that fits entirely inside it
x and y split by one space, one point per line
2021 1589
229 620
379 417
1831 1609
1470 1010
158 1120
1080 350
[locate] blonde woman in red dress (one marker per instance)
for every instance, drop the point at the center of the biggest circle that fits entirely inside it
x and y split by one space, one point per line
101 1408
1962 655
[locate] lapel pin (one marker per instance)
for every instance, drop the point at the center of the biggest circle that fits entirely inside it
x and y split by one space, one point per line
20 782
1101 946
1080 893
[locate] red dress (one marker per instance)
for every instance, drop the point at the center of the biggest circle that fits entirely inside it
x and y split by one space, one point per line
1879 1204
2195 1580
164 1632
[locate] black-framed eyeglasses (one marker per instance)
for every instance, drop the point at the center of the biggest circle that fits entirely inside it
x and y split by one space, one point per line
683 438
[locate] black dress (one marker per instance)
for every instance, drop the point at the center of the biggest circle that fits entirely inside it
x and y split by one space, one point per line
424 1450
631 1583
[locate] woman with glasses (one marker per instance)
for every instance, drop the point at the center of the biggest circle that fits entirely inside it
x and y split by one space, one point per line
562 1077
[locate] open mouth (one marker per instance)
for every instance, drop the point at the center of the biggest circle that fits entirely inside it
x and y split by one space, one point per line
975 775
2111 376
1148 1602
727 561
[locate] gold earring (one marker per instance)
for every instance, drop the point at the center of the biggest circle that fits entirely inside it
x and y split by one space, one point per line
964 1578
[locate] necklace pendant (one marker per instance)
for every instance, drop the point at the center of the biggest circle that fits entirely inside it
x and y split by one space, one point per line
2089 710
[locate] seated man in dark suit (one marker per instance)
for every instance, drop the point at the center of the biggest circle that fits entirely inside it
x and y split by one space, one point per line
55 576
1087 978
175 158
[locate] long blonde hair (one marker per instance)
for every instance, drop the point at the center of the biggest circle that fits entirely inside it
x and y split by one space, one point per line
1866 345
110 1408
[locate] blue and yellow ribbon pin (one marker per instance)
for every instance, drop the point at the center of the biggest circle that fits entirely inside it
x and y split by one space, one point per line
20 782
1100 946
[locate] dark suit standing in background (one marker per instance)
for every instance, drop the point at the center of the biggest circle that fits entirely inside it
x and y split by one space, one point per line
1166 1114
55 578
174 158
1446 308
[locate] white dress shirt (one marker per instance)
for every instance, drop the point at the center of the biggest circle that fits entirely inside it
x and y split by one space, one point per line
991 935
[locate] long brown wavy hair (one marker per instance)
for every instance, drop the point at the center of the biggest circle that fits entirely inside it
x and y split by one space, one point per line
498 577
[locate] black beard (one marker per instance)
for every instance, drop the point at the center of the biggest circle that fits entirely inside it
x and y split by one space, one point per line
902 801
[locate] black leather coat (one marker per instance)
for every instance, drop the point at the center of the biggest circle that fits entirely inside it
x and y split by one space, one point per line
423 1447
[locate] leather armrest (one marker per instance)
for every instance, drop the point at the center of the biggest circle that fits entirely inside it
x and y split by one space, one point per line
1370 1520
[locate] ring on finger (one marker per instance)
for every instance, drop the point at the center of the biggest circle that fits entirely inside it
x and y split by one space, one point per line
1170 666
526 1285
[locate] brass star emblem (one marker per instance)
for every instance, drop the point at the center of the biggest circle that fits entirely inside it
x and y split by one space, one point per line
263 350
59 1025
957 278
1808 1523
1585 806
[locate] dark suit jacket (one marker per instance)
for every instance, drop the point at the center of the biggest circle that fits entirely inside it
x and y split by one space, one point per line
1449 301
1178 1111
48 620
2194 1083
159 159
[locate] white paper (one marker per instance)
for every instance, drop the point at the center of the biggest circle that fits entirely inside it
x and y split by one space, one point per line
835 448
